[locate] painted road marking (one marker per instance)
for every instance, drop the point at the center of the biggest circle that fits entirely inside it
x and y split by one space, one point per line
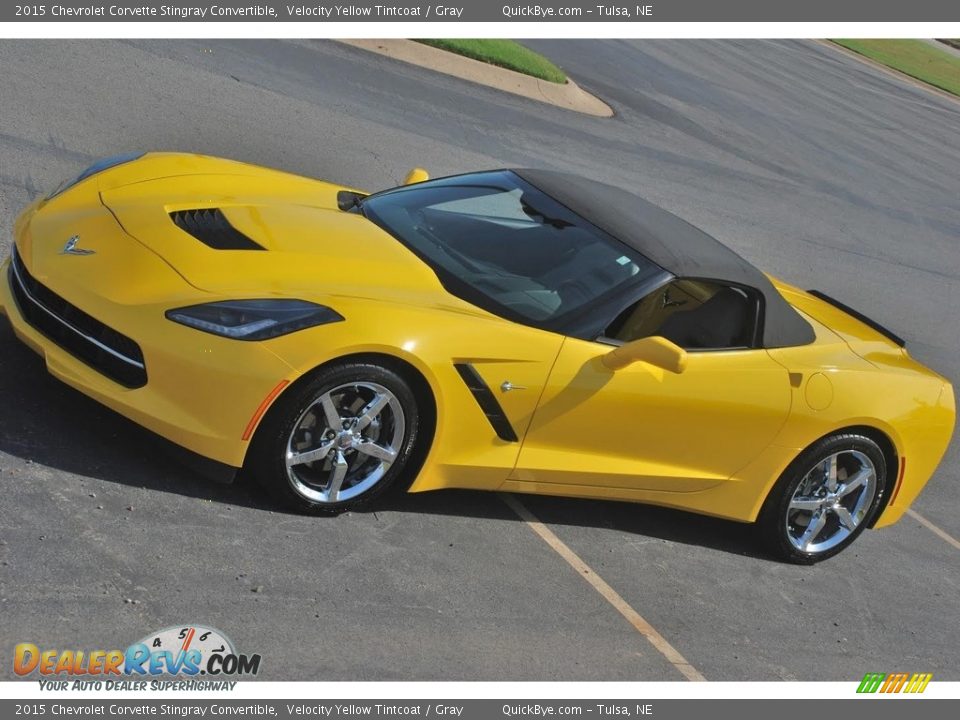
609 594
933 528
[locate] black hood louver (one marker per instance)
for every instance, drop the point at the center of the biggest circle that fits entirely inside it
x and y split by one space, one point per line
211 227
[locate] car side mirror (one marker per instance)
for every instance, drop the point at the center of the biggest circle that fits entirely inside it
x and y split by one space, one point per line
417 175
656 351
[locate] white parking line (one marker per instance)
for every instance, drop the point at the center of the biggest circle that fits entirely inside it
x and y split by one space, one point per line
600 585
933 528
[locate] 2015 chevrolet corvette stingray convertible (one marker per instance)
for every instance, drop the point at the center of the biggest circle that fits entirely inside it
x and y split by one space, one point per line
518 330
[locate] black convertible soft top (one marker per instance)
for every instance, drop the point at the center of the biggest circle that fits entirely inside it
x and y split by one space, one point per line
674 244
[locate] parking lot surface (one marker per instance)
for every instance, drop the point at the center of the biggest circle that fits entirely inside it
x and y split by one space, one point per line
817 168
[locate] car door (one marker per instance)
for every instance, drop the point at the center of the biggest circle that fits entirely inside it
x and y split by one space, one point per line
642 427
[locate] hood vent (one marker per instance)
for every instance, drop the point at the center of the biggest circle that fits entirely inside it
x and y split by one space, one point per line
211 227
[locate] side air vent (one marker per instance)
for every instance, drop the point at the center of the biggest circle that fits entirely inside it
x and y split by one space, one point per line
211 227
487 402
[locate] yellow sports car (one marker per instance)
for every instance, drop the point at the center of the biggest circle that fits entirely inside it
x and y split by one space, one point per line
517 330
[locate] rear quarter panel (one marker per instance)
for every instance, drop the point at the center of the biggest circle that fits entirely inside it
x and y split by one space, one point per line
835 388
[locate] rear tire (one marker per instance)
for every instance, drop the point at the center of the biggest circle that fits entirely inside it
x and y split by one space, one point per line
824 499
337 440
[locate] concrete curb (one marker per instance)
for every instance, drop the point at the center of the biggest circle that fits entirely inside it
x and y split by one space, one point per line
569 96
892 72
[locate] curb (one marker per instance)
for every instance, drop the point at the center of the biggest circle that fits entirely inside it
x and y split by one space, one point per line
568 96
892 72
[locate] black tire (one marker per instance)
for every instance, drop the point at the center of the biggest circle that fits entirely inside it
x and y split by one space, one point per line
779 522
301 488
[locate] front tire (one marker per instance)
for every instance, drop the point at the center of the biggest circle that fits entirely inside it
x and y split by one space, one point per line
338 440
824 499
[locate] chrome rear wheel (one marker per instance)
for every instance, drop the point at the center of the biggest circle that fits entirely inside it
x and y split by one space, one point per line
825 498
831 501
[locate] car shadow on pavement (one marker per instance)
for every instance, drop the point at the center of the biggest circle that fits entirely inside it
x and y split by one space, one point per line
44 421
623 519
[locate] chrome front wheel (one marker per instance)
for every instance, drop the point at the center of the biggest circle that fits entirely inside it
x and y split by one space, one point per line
344 442
338 438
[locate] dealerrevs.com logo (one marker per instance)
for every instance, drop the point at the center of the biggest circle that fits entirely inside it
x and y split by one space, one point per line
894 682
189 650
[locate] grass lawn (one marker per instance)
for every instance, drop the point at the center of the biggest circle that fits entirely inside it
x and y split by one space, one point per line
914 58
505 53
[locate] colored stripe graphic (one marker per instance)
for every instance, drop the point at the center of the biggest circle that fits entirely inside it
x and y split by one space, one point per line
871 682
894 682
918 683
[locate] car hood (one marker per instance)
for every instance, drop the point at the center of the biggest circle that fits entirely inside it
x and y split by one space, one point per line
297 240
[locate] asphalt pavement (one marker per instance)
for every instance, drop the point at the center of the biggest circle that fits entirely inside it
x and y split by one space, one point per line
818 168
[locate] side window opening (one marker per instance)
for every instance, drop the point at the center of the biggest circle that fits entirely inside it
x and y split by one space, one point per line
694 314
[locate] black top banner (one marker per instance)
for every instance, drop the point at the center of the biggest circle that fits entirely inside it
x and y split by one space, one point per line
646 11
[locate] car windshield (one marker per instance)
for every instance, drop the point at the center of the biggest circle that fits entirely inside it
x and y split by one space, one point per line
498 242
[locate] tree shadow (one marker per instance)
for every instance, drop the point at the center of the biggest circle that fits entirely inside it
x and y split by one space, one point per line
44 421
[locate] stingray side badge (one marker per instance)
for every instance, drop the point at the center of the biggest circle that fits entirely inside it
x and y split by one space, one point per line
70 248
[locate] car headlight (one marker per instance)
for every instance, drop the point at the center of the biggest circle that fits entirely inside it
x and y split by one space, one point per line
98 166
254 319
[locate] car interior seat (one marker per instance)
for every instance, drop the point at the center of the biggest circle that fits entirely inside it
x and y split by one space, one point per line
722 321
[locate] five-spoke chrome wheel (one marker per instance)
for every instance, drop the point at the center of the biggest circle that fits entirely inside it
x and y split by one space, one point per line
825 498
344 442
831 501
